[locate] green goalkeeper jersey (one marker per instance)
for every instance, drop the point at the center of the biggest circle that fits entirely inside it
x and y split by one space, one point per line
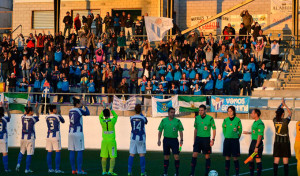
108 126
204 125
232 128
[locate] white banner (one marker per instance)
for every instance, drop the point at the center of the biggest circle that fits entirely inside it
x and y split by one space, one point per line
160 107
124 105
157 27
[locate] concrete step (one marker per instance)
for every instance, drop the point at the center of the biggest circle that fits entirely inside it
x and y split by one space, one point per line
292 85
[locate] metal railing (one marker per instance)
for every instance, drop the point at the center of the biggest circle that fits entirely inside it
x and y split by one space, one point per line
20 26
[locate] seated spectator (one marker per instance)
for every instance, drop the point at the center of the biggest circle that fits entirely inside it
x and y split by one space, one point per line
133 49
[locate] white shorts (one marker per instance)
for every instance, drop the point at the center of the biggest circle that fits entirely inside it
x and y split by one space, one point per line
3 146
27 145
53 144
137 147
76 142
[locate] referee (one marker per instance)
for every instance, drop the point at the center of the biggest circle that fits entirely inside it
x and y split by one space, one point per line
170 125
202 142
257 135
282 145
232 130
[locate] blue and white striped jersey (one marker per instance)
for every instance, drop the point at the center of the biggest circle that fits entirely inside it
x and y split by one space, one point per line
3 127
75 116
53 124
28 130
138 123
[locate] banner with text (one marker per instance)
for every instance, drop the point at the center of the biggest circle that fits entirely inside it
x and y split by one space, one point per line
120 104
220 104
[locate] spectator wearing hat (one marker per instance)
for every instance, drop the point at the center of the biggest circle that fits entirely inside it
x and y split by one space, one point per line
68 23
247 20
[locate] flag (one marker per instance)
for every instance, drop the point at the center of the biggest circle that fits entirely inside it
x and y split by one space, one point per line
157 27
124 105
191 103
17 101
160 106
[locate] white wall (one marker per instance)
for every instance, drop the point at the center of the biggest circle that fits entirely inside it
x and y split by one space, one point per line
92 133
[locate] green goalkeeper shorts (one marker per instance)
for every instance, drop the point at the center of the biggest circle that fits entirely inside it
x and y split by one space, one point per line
108 149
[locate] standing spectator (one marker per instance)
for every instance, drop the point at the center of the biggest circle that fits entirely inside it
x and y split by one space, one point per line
65 89
46 97
68 23
107 21
139 29
118 72
209 53
23 86
77 23
57 57
242 31
247 20
258 49
122 44
110 86
256 28
30 44
21 42
133 49
91 88
274 53
117 27
90 19
128 27
25 67
246 81
37 88
12 80
99 55
133 72
123 87
231 29
98 24
123 19
5 62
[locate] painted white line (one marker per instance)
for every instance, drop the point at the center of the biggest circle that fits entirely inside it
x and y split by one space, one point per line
267 169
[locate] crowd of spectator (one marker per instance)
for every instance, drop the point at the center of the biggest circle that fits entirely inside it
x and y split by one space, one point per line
191 64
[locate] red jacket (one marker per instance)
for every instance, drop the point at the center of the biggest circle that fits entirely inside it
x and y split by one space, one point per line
40 42
77 23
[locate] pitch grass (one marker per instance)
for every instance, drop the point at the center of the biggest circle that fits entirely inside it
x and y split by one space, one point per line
154 164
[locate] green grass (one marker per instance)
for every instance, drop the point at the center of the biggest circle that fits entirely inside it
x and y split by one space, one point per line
154 161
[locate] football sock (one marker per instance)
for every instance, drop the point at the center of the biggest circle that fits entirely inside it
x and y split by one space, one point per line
207 166
259 168
286 169
166 166
5 162
130 162
275 167
79 160
103 162
20 158
237 167
177 164
227 167
49 160
251 168
193 165
143 164
112 164
57 160
28 162
72 160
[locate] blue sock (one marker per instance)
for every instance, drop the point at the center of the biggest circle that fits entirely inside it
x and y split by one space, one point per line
20 158
72 160
5 162
49 160
28 161
57 160
79 160
143 164
130 162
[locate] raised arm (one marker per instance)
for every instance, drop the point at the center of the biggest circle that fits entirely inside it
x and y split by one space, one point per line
287 108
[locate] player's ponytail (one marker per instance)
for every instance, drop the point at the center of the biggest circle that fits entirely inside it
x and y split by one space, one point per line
279 113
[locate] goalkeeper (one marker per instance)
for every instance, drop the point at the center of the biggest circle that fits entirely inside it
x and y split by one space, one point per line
108 144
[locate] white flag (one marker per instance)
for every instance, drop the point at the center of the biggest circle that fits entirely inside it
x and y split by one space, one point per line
124 105
157 27
160 107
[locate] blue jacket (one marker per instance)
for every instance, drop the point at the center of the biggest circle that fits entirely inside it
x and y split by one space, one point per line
219 84
78 71
247 76
91 87
58 56
65 86
37 84
59 84
169 76
209 85
177 76
192 74
197 92
251 66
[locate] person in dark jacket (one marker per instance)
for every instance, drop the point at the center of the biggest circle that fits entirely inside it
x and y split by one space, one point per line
133 72
242 31
90 19
12 80
107 21
98 23
256 28
117 27
5 62
68 23
247 19
128 26
123 19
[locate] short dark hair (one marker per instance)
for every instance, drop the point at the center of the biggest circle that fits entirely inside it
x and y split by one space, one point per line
106 113
171 108
138 108
28 109
257 111
52 107
75 101
202 106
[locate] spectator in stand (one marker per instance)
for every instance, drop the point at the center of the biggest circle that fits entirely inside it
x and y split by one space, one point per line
108 22
133 49
122 44
77 23
30 44
247 20
123 87
117 22
23 86
274 53
5 62
68 23
256 28
123 19
128 27
37 88
110 86
65 89
231 29
262 74
246 81
46 97
209 53
118 74
91 88
209 85
59 86
90 19
242 31
133 72
139 30
219 87
258 49
12 80
25 67
99 55
98 24
21 42
58 57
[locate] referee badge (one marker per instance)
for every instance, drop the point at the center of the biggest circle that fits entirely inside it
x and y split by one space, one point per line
234 129
258 130
253 131
174 129
205 127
